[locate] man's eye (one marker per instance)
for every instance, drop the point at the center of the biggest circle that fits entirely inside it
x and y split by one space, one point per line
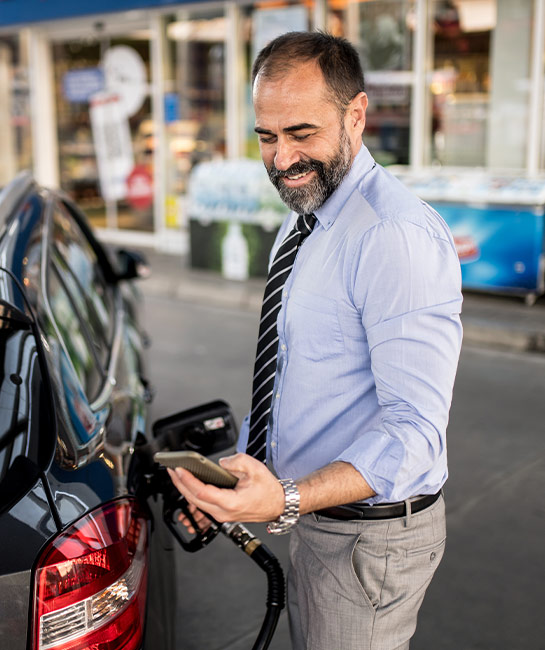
266 139
300 138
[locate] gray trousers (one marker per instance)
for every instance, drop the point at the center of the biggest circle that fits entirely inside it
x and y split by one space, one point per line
359 584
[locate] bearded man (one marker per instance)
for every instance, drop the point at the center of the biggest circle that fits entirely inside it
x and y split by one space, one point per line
357 353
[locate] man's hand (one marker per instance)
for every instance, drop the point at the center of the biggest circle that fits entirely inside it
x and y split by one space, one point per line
202 521
258 496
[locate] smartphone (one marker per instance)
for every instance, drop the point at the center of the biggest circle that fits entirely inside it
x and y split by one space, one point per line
203 468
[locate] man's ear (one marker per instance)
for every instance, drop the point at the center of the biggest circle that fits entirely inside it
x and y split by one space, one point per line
355 114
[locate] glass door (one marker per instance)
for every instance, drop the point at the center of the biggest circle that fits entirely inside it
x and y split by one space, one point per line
105 129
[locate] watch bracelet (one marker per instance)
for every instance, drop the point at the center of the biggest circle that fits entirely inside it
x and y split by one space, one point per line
290 515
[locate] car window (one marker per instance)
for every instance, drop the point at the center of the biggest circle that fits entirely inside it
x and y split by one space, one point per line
80 300
73 333
93 323
79 267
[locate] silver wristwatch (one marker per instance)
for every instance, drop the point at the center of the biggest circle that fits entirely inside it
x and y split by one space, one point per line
290 516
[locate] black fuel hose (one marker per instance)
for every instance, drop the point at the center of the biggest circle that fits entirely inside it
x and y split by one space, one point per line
267 562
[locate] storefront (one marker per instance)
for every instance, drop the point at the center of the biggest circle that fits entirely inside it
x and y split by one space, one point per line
118 104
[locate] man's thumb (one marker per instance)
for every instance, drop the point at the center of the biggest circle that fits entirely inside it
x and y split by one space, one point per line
236 463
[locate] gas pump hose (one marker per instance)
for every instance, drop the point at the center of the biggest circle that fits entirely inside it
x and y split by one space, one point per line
267 562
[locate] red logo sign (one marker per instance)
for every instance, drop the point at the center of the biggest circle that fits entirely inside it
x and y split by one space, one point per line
467 248
140 188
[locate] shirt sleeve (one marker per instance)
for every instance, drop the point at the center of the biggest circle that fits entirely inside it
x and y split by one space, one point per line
406 282
242 441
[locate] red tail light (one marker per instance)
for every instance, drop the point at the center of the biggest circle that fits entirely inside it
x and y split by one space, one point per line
90 583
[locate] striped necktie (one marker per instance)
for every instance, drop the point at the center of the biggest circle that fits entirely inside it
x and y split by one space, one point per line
267 343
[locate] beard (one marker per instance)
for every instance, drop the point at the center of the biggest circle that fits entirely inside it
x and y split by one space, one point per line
329 175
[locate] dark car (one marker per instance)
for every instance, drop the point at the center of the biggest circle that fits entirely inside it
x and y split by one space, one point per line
85 558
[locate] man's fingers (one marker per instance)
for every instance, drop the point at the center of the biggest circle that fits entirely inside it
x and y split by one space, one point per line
199 517
220 503
192 488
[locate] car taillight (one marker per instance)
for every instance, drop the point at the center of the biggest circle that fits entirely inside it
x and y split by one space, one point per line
90 582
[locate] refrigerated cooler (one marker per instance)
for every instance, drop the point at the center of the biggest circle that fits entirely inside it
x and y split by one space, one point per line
497 222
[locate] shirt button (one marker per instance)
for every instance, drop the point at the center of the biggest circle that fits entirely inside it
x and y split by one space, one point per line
285 294
283 347
273 444
277 395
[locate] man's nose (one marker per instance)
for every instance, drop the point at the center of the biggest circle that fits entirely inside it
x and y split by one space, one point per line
286 155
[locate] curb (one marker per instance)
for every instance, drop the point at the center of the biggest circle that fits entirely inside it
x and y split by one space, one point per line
502 339
488 322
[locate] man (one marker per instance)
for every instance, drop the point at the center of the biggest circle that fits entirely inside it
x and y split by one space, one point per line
365 344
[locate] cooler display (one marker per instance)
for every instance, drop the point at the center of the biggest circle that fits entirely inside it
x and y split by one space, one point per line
497 223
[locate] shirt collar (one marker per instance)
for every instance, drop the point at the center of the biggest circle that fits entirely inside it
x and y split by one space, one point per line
328 212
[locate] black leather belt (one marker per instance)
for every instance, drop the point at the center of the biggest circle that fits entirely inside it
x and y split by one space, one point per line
357 511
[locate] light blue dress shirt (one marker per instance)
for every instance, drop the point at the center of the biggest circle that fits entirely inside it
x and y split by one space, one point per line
369 340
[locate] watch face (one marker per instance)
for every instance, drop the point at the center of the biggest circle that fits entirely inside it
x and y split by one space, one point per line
125 74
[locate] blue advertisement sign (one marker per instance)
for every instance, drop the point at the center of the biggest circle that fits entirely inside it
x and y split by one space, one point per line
500 248
16 12
80 84
172 107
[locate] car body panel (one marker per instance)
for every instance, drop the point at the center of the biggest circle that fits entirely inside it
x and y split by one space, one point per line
14 599
65 445
74 493
26 527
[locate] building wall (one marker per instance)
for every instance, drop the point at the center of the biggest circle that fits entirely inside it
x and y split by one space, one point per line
455 93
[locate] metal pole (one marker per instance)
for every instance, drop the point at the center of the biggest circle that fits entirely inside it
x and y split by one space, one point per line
319 15
419 112
45 151
157 54
535 122
234 82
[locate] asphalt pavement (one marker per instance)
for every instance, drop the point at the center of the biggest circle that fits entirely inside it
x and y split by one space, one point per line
504 322
487 594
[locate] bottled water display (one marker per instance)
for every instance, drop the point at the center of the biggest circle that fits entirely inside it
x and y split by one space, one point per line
234 212
234 253
234 190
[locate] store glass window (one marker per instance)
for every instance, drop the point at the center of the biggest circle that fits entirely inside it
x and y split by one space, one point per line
383 33
15 126
194 93
479 90
105 127
260 24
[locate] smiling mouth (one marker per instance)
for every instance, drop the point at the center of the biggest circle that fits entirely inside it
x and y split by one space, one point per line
297 177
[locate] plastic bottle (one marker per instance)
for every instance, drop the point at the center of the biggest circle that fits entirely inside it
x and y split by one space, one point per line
234 253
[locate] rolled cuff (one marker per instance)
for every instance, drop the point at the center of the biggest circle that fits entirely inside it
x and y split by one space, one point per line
382 461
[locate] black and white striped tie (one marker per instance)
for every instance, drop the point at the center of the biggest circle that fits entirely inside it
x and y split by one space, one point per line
267 343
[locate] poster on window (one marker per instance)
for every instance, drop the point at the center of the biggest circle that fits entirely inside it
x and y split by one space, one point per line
270 23
113 145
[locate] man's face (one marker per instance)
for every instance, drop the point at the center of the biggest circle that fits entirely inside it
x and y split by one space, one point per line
307 145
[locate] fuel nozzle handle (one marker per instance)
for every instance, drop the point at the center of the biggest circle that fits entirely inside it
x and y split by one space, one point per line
201 538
